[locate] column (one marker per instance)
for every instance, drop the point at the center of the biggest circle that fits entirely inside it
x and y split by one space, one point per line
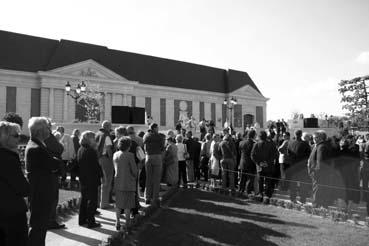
196 110
207 111
127 100
51 103
108 102
71 109
45 97
65 108
23 103
155 109
59 95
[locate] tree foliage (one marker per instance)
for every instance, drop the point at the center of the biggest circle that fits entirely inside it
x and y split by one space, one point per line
92 101
355 97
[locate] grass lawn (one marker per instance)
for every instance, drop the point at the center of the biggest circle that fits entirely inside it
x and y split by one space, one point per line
196 217
65 195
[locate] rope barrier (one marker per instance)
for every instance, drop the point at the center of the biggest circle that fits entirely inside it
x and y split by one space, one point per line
297 181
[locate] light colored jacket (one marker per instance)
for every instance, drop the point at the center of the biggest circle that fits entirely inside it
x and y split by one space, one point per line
125 171
69 152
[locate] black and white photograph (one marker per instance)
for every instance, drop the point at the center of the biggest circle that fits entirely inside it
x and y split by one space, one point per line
173 122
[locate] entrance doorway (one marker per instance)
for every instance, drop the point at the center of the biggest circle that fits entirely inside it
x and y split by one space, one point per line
248 120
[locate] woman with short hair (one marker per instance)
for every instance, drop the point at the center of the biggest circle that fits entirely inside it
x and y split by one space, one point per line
90 175
125 185
13 187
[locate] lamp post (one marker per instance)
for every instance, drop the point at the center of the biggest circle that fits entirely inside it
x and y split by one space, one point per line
230 102
76 93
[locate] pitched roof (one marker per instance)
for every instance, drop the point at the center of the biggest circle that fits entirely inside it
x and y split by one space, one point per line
32 54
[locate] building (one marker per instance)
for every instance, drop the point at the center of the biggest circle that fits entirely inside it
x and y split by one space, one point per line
34 72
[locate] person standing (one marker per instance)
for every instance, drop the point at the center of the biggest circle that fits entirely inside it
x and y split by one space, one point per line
90 175
317 166
190 146
54 146
13 188
154 146
171 162
181 151
68 153
264 154
298 152
105 155
74 168
247 166
227 162
42 170
205 156
364 174
125 181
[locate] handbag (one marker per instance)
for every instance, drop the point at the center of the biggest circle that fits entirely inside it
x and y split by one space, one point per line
140 154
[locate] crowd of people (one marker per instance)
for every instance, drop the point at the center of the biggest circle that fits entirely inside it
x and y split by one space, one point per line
117 167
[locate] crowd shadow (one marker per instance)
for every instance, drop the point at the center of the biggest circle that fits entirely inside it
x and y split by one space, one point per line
190 221
78 238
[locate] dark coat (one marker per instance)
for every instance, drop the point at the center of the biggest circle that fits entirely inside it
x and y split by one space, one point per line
245 149
54 147
90 172
13 185
196 152
319 157
41 168
264 151
298 152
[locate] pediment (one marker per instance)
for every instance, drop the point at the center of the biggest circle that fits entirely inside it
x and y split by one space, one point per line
247 91
88 68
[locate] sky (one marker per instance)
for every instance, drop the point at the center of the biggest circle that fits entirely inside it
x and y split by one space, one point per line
296 51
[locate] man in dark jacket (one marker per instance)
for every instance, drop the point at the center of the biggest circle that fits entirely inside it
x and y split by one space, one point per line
227 162
298 152
264 154
56 149
247 166
317 166
41 167
13 188
154 146
105 154
191 149
90 175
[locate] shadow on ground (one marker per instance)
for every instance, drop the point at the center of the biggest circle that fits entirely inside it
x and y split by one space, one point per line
201 218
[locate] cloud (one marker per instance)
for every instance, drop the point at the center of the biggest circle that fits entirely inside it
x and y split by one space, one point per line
363 58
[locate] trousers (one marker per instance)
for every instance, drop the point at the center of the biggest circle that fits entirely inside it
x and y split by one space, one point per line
153 166
108 172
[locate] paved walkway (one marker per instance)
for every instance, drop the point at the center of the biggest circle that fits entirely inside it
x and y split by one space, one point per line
75 235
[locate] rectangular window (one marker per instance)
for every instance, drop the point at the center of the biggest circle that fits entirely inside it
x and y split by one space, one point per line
202 111
260 116
224 114
162 111
11 99
213 116
35 102
133 103
237 115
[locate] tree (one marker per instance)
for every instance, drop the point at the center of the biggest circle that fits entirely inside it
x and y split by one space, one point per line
90 104
355 98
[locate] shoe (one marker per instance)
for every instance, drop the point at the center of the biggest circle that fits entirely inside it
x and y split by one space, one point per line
93 225
56 226
82 223
97 212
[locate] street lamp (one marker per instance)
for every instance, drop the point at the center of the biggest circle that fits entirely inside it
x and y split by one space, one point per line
230 104
80 89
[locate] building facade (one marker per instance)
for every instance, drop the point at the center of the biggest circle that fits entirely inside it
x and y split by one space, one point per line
34 71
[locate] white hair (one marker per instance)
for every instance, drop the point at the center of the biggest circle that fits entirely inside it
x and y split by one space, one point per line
6 129
36 125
